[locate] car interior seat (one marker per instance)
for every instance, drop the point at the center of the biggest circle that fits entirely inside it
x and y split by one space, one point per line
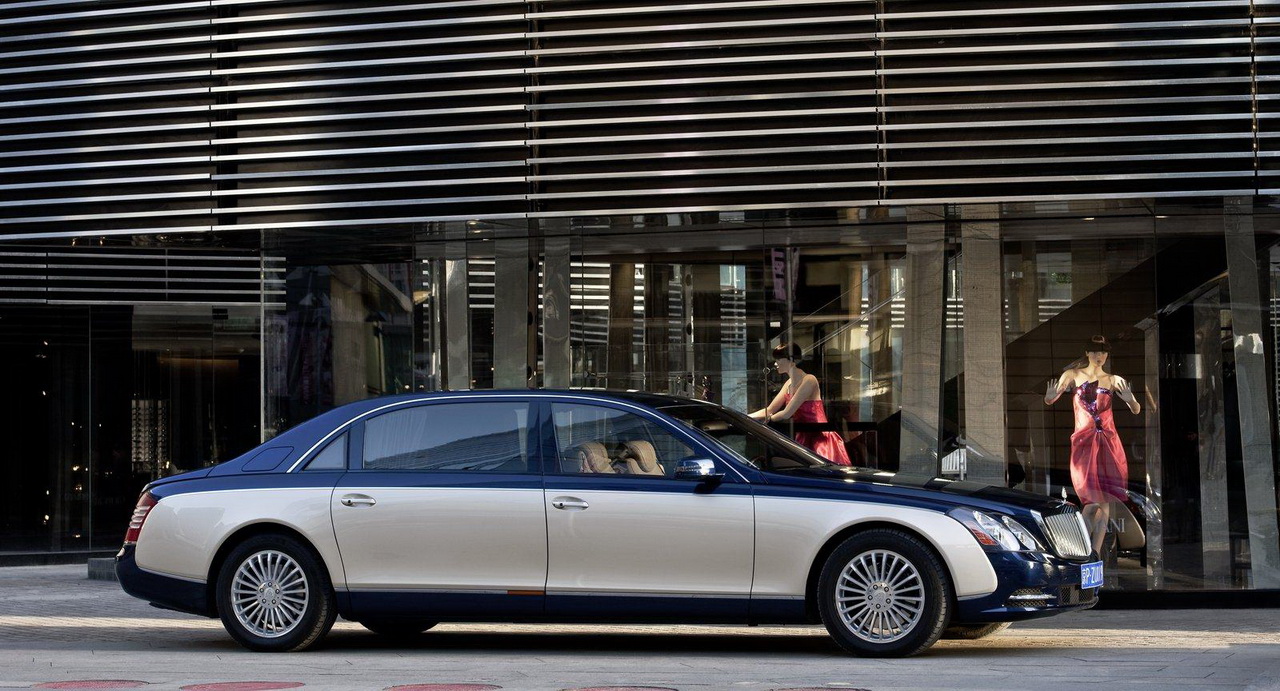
639 458
592 458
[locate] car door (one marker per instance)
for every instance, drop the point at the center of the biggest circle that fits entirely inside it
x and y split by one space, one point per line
626 539
441 511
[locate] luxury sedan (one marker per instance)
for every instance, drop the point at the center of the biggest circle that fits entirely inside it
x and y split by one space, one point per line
580 506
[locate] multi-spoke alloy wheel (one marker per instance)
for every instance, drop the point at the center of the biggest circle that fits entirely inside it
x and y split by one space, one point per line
885 593
274 594
269 593
880 596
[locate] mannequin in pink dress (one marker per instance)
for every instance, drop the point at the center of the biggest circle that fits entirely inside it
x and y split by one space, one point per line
1099 467
801 400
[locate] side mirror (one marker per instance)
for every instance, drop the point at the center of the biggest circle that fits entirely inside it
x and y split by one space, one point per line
699 470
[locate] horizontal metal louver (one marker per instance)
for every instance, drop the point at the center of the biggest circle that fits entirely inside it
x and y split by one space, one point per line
1050 100
124 116
133 275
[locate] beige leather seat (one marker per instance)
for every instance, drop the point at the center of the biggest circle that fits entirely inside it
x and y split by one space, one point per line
592 458
639 458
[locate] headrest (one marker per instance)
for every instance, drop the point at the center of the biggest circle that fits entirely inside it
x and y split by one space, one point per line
593 458
641 459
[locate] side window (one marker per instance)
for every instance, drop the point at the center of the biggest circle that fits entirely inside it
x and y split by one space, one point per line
592 439
452 437
332 457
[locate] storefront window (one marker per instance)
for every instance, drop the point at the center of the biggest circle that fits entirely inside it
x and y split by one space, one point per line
952 341
128 363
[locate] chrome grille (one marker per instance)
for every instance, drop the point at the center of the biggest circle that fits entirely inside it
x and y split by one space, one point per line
1068 534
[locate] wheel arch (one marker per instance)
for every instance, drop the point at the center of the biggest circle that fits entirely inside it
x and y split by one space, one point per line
239 537
815 568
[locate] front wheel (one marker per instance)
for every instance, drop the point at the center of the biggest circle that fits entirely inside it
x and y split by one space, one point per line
274 595
884 593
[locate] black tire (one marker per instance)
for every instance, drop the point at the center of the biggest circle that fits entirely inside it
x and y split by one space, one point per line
972 632
293 619
397 627
917 585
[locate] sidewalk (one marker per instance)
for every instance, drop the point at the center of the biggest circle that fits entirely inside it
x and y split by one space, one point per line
58 626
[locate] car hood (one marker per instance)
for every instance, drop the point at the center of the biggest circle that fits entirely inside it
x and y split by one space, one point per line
957 492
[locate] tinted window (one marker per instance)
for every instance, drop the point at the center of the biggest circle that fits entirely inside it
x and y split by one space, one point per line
333 457
593 439
476 437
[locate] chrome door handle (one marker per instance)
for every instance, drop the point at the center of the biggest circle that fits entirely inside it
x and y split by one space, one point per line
358 500
569 503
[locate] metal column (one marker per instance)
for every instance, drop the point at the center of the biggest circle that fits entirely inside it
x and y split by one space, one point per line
922 346
1252 394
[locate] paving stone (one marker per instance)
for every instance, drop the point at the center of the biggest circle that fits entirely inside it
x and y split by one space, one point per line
57 625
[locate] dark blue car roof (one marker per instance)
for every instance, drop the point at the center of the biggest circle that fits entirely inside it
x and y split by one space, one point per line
300 438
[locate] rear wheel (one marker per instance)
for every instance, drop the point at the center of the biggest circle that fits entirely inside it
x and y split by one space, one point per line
274 595
397 627
884 593
972 632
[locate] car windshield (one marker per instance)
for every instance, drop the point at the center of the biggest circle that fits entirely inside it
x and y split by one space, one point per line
751 441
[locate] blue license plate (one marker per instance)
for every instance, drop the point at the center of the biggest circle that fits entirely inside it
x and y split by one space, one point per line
1091 574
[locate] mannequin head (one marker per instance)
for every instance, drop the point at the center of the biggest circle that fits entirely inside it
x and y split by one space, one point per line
1096 351
786 357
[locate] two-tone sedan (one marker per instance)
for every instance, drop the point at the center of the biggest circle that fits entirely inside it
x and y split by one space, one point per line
576 506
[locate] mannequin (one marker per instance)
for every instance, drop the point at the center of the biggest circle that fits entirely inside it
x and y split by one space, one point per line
800 398
1099 467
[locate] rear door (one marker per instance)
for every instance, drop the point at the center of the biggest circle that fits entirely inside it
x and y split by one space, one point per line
441 512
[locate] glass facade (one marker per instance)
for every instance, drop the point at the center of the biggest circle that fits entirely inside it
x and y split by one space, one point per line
937 335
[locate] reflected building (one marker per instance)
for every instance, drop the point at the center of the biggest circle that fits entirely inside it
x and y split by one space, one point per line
220 220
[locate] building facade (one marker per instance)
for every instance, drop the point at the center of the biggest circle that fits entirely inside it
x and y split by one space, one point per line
222 217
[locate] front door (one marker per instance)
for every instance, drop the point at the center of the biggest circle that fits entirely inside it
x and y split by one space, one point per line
442 512
628 541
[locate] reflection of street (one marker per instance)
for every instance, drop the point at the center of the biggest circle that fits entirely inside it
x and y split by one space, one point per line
57 626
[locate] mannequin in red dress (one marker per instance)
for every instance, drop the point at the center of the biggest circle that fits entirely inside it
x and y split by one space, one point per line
1099 468
801 400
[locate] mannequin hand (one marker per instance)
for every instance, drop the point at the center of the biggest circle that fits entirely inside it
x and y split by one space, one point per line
1125 392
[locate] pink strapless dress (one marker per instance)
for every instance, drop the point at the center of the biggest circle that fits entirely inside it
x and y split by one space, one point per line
829 445
1099 469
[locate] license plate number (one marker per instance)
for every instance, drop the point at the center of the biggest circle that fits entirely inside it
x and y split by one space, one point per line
1091 575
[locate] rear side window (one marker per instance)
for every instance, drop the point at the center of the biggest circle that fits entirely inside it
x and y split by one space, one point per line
451 437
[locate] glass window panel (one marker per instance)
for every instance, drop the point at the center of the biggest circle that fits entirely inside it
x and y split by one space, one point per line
593 439
334 456
472 437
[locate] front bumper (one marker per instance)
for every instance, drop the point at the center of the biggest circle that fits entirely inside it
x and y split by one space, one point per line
1030 586
162 591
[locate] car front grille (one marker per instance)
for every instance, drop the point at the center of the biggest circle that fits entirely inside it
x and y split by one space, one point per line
1075 595
1068 534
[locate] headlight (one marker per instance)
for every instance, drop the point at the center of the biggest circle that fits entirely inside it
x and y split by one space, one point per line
1003 533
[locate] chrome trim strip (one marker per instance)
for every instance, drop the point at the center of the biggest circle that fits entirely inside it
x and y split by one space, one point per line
636 593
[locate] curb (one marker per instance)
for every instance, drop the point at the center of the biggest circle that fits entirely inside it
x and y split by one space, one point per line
102 569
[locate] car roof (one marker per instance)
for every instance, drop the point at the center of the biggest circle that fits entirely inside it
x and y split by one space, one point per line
643 398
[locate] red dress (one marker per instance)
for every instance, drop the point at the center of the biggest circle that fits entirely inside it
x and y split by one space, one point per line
1099 468
829 445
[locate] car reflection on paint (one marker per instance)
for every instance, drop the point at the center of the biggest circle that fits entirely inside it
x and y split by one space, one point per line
575 506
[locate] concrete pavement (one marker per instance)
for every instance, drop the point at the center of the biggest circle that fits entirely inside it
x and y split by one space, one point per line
58 626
